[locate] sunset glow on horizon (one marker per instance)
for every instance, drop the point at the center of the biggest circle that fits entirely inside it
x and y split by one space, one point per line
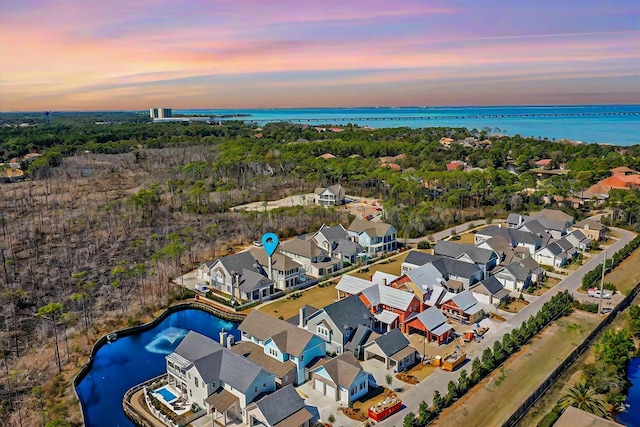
121 55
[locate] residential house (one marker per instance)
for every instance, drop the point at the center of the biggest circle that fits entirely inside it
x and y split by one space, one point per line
552 255
361 337
433 324
337 322
416 259
464 272
578 239
500 246
283 341
462 307
238 275
424 277
391 307
537 272
490 291
341 378
282 408
568 247
215 378
485 259
286 273
514 277
516 238
554 221
376 237
315 260
335 240
330 196
393 349
590 228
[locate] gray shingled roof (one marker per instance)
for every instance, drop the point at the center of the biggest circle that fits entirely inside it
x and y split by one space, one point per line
348 247
305 248
555 248
217 363
343 370
448 266
333 234
250 280
492 285
450 249
349 313
518 270
392 342
289 338
419 258
535 227
280 404
359 337
237 262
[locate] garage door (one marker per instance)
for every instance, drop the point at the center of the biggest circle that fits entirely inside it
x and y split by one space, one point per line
319 386
344 395
330 391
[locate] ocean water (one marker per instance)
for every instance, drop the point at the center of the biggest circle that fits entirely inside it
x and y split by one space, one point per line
606 124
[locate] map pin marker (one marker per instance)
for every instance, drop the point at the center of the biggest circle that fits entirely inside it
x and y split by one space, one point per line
270 243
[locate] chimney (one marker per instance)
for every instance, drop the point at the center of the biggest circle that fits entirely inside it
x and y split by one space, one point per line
301 320
230 341
223 337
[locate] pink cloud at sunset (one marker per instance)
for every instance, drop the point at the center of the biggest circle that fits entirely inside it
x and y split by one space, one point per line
73 55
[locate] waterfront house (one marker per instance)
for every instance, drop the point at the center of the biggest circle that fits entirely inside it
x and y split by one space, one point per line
238 275
216 379
393 349
376 237
337 322
283 341
282 408
341 378
330 196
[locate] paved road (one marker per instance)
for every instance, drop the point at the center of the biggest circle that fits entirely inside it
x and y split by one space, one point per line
439 379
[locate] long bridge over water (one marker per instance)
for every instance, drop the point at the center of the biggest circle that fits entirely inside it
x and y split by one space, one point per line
440 117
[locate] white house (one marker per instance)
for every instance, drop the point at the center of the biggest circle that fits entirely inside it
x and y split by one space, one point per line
376 237
341 378
330 196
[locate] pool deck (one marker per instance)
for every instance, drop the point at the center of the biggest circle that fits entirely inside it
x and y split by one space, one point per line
142 408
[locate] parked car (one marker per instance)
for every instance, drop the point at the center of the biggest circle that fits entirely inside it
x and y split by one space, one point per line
606 310
595 293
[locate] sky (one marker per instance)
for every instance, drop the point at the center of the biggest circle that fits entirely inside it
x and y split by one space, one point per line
184 54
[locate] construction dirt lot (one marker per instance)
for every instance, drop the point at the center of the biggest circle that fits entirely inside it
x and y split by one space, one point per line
361 207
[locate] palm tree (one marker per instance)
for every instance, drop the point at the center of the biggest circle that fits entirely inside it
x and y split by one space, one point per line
585 399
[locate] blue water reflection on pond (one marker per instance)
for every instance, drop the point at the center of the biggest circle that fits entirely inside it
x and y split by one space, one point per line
131 360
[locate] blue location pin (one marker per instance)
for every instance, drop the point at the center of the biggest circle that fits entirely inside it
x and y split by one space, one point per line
270 243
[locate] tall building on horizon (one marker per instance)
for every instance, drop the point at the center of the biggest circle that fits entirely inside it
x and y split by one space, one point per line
159 113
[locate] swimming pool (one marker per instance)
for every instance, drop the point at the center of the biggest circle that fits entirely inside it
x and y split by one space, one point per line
166 394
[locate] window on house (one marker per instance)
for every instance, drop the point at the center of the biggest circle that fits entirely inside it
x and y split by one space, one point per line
196 381
301 357
190 393
256 389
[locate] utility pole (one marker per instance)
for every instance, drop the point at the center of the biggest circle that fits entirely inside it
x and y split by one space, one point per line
604 263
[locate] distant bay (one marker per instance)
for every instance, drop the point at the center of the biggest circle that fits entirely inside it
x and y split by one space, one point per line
603 124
